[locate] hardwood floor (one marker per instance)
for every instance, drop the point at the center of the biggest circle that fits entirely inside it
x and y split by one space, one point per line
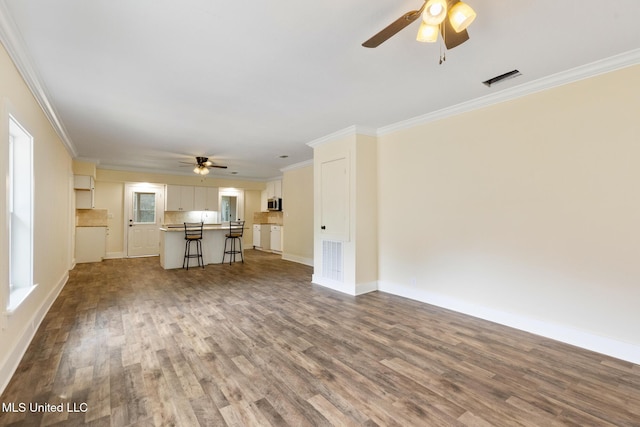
128 343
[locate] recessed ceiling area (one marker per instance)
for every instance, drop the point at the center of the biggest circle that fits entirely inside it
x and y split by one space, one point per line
143 85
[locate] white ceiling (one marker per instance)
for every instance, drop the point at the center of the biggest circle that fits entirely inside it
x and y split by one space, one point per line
145 84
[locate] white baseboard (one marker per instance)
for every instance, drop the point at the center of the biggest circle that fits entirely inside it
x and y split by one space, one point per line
345 288
298 259
364 288
584 339
114 255
11 362
333 284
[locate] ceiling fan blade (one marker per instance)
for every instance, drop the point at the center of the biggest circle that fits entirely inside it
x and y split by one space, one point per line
218 166
393 28
449 35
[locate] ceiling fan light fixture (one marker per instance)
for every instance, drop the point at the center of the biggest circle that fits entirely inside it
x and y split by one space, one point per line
201 170
434 12
427 33
461 16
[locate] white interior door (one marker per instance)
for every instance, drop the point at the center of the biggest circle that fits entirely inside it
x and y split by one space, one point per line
334 199
144 208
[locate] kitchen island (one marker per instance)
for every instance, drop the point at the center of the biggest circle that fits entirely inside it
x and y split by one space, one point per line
172 245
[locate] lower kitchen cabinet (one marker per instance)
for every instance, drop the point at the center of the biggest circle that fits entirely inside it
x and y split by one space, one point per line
262 236
91 244
276 238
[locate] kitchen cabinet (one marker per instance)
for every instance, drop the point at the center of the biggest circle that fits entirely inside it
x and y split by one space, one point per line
83 182
190 198
205 199
84 186
256 236
274 189
276 238
179 198
91 244
262 236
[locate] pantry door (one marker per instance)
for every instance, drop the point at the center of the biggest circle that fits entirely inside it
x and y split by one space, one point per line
144 208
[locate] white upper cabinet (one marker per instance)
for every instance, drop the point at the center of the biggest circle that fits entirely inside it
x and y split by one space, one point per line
85 191
179 198
274 189
205 199
190 198
83 182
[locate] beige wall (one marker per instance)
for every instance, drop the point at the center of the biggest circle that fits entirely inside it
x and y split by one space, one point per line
527 210
297 196
53 217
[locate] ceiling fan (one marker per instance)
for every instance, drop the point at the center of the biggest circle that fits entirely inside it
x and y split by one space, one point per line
202 165
448 17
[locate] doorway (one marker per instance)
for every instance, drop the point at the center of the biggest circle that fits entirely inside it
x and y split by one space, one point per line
144 208
231 204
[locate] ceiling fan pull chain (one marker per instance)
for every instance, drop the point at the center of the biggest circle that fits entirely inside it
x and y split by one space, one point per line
443 54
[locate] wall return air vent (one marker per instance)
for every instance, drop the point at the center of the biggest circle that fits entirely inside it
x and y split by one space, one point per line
502 77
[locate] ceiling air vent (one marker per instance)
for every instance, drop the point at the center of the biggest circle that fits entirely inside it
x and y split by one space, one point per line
501 77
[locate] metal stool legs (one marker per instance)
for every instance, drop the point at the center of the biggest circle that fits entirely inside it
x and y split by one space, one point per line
233 250
236 230
197 254
193 233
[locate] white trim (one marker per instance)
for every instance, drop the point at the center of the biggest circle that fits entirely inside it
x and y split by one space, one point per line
297 258
15 46
343 133
17 296
115 255
566 334
297 166
569 76
365 288
345 288
12 360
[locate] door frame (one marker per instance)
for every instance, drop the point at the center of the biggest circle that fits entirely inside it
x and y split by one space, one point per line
126 208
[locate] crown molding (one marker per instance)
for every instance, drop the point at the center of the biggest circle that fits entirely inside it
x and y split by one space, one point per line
299 165
15 46
593 69
350 131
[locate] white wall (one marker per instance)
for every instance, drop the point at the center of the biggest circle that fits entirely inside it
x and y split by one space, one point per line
53 218
526 212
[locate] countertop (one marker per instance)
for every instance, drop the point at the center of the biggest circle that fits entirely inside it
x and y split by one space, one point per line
180 227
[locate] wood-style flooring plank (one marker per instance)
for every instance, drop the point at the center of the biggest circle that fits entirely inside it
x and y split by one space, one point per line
257 344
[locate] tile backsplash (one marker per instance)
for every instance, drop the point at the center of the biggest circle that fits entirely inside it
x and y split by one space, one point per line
271 217
180 217
91 218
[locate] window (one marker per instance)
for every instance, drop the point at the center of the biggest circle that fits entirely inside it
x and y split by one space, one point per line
144 207
20 215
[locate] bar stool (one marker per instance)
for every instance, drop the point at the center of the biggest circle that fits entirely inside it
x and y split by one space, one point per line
236 229
193 233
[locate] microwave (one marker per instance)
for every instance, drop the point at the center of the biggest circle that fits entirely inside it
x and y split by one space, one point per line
274 204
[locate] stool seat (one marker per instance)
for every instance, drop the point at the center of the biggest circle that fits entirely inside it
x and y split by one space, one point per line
235 233
193 233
